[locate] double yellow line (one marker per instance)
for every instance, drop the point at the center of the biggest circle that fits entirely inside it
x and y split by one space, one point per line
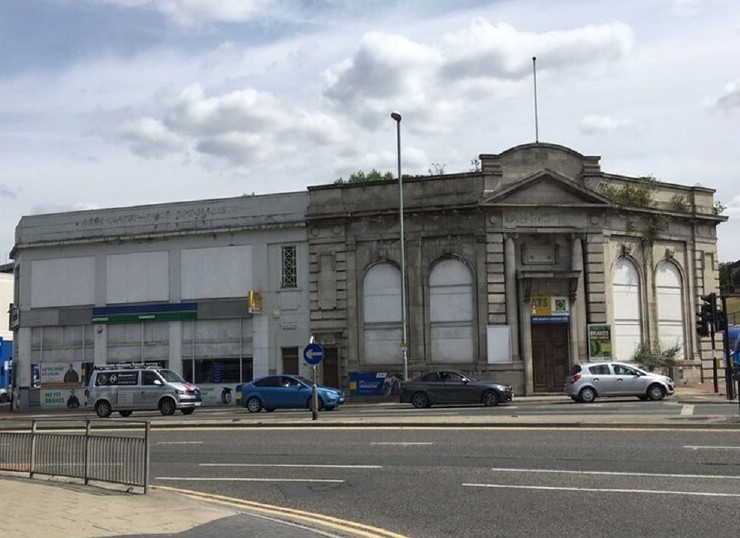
290 515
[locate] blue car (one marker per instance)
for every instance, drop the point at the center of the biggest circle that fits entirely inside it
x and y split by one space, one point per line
286 392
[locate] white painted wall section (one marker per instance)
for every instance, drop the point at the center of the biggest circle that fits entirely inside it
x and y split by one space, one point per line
62 282
137 277
216 272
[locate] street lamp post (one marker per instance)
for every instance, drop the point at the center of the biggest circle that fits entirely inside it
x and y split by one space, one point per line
404 344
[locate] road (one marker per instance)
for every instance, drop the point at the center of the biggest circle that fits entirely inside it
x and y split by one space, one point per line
472 481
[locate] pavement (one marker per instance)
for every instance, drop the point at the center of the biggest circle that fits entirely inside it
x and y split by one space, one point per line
52 508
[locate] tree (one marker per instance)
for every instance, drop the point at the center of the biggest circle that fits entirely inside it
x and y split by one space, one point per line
363 177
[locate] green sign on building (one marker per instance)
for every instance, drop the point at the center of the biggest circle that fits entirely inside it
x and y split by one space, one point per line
599 342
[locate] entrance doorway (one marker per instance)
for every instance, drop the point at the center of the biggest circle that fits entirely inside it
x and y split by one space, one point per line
549 356
330 367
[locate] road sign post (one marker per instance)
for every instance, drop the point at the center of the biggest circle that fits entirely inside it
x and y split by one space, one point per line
312 354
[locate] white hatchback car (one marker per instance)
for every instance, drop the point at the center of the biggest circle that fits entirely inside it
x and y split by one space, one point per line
4 396
586 382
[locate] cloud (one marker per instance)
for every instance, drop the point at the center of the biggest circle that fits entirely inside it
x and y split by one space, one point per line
150 138
239 128
432 83
728 100
601 124
8 191
196 12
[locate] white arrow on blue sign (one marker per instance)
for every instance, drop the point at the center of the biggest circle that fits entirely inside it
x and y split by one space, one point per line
313 353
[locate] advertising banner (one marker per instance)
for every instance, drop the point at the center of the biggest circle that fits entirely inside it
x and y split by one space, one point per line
549 309
374 383
599 342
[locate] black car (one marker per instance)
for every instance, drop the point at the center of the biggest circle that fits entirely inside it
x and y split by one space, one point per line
452 387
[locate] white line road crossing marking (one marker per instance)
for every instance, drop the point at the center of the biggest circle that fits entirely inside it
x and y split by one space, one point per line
407 443
179 443
614 473
298 465
199 479
692 447
687 410
605 490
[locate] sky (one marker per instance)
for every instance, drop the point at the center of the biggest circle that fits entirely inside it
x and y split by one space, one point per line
114 103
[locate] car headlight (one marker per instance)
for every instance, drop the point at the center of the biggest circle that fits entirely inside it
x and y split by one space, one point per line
332 394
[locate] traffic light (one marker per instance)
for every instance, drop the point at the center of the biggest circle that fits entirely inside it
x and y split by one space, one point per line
721 321
707 315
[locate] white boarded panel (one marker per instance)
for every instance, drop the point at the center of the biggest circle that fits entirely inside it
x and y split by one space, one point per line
499 344
669 290
382 294
383 346
452 344
63 282
137 277
216 272
627 332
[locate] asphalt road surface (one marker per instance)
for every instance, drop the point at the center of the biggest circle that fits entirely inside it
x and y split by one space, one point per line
472 482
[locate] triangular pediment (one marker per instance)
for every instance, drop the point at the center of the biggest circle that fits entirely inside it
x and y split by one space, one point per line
546 188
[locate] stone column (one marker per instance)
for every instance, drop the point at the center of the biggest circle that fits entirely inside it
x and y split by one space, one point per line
578 332
512 311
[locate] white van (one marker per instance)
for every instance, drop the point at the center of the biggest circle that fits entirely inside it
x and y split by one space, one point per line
129 388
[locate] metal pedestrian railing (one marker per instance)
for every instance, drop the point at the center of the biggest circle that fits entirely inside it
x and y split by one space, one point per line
64 450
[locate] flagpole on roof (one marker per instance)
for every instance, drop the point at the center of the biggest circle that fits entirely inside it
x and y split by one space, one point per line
536 125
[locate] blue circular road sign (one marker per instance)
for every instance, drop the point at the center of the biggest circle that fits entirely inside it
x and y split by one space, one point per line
313 353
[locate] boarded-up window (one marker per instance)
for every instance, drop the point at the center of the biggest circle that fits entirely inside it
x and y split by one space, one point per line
669 289
382 315
626 309
451 312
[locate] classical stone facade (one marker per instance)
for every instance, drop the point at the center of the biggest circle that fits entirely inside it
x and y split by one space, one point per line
509 266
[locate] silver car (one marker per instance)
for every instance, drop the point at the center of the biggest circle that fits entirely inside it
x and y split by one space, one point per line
586 382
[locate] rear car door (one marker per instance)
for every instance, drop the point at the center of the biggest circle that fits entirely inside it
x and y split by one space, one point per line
602 379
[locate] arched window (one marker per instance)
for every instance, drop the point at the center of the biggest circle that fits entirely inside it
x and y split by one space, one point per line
627 331
451 312
669 288
382 329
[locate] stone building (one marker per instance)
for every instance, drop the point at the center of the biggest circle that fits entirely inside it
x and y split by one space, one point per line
215 290
513 270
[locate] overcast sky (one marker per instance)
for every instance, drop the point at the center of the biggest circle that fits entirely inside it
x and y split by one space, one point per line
109 103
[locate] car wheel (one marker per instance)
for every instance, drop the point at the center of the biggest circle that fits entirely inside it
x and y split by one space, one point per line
490 397
167 407
103 409
419 400
125 413
655 392
4 398
254 405
188 410
587 395
309 403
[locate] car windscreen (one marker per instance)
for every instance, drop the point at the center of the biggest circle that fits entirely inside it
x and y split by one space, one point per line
170 376
304 380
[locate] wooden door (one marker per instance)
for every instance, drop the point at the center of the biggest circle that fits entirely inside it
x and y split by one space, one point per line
550 356
330 367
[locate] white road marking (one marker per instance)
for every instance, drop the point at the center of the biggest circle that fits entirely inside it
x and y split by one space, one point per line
235 479
613 473
179 443
406 443
692 447
298 465
687 410
605 490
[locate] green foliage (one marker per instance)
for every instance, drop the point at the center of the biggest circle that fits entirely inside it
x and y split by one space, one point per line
725 273
437 169
656 225
639 195
652 357
719 208
362 177
475 165
680 204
